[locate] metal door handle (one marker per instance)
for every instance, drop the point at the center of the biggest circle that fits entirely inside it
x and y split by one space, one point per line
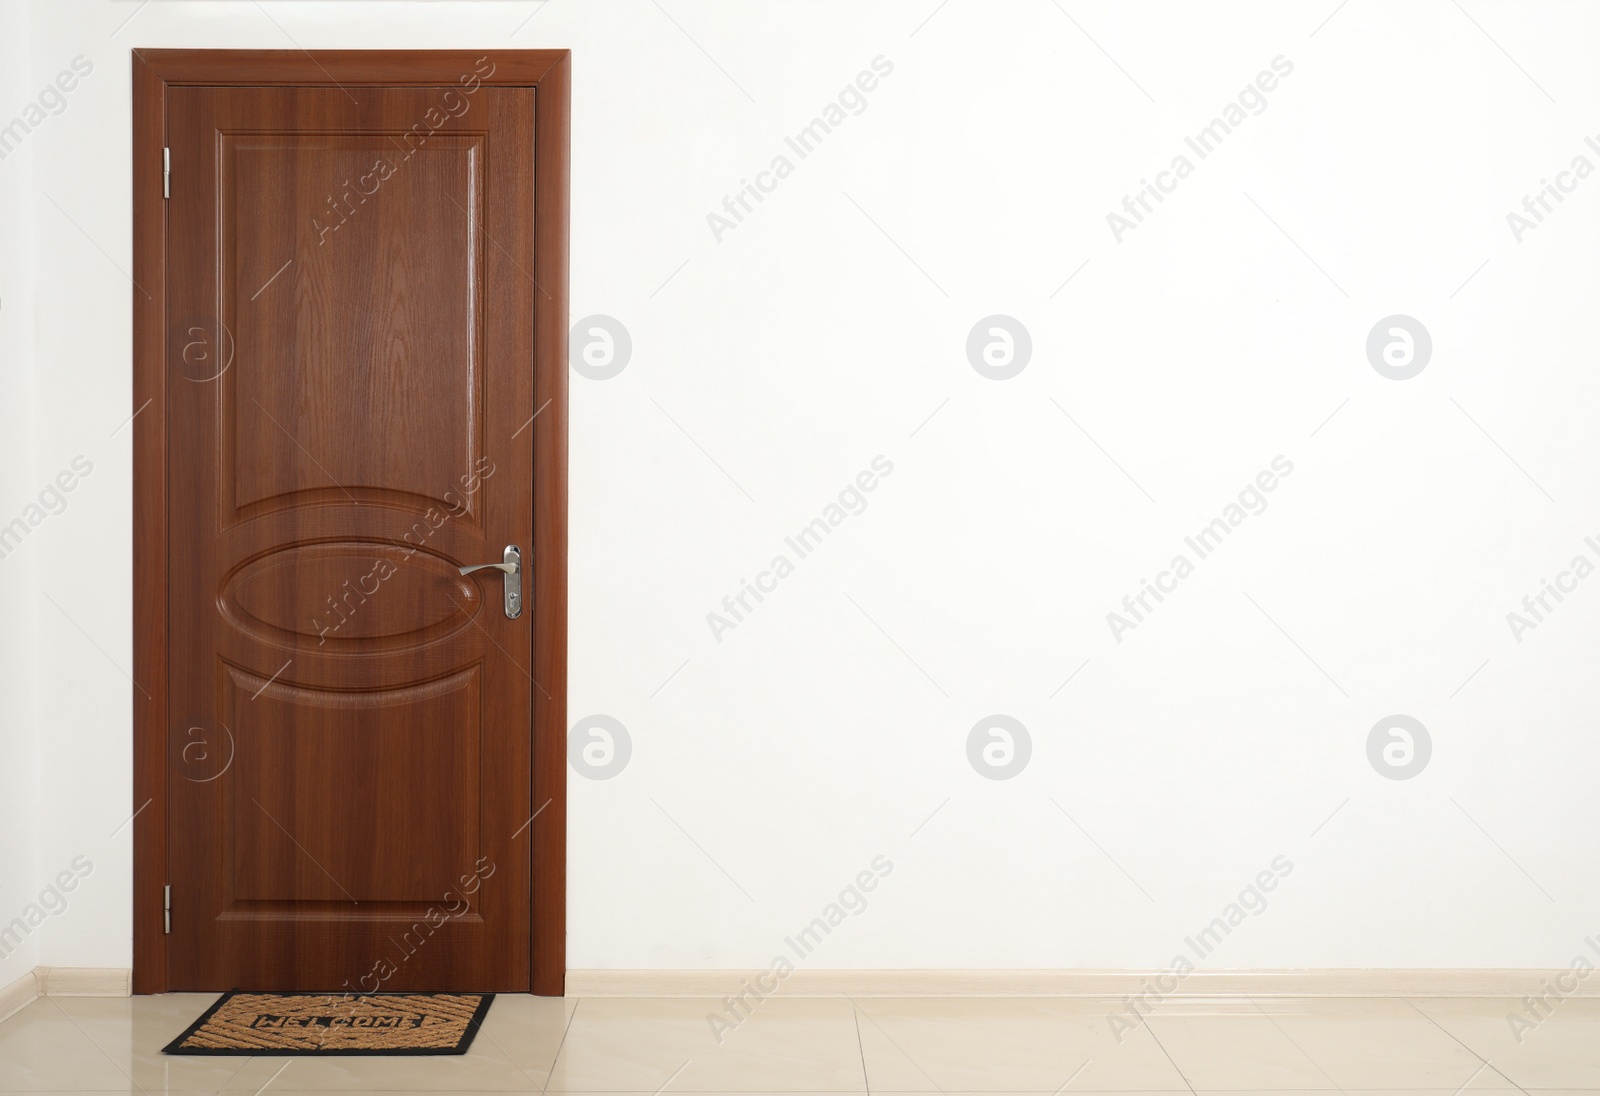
512 569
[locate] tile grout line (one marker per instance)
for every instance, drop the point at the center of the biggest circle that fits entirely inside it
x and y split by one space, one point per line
1418 1009
94 1043
1303 1052
278 1074
508 1057
551 1073
861 1049
897 1046
1182 1076
231 1076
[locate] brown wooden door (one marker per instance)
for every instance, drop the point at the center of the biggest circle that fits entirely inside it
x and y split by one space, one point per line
350 346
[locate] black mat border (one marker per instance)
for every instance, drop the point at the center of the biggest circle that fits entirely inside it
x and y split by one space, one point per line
175 1049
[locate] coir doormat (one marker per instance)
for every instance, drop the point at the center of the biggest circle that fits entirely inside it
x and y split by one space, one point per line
333 1023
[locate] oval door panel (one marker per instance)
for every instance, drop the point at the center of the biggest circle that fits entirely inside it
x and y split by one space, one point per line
345 592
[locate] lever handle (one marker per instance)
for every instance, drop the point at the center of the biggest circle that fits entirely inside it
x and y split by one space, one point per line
512 570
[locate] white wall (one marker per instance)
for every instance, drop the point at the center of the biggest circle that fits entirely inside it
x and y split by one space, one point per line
19 665
826 329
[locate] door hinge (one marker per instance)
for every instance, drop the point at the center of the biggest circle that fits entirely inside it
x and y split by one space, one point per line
166 908
166 173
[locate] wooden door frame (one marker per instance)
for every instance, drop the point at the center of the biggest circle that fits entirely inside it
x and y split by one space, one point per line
154 72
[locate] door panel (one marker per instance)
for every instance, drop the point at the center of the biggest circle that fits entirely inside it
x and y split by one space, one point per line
350 328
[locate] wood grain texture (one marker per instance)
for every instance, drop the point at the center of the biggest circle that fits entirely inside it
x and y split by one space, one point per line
540 952
351 314
549 831
349 67
149 804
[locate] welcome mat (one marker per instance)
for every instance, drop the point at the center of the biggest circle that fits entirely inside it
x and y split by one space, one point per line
335 1023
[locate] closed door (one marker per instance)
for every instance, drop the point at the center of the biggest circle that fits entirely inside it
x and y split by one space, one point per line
350 346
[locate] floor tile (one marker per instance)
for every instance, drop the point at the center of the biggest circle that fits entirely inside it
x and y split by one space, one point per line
1300 1045
822 1047
1222 1053
484 1068
132 1030
1562 1051
1010 1044
795 1044
42 1050
529 1030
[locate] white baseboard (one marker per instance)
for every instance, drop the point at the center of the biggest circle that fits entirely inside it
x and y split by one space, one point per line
18 995
63 982
1388 982
1459 982
84 981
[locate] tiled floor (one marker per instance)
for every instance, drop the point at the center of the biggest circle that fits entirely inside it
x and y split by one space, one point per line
799 1045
